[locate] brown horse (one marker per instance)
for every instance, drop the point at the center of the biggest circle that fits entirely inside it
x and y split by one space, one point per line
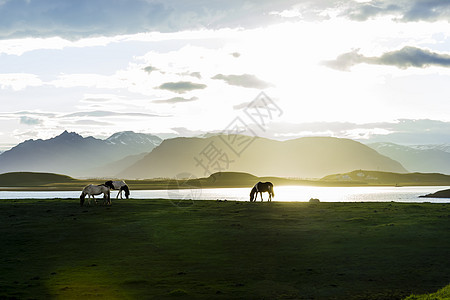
260 188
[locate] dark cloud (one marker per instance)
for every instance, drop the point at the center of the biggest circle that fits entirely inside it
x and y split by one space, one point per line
175 100
403 10
85 18
403 59
244 80
181 87
82 18
365 11
150 69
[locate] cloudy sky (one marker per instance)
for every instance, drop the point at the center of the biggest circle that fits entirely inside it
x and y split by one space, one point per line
368 70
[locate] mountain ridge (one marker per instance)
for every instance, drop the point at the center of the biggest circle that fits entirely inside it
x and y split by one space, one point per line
308 157
70 153
417 158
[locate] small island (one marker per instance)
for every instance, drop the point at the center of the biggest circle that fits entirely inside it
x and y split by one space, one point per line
438 194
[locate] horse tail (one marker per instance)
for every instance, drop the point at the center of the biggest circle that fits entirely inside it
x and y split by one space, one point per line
252 193
271 190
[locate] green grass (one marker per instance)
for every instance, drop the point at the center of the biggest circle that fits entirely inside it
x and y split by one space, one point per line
442 294
152 249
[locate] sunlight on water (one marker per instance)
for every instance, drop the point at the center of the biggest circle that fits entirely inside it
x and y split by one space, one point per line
282 193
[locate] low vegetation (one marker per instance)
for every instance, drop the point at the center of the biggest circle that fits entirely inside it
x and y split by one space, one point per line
161 249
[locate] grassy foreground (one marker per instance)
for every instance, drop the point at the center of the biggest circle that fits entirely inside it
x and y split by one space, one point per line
158 249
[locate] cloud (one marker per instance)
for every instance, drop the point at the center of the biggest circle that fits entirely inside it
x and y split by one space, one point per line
150 69
100 113
29 121
19 81
402 131
84 18
244 80
175 100
92 123
403 59
406 10
181 87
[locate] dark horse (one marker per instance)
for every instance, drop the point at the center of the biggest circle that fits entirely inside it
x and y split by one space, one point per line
260 188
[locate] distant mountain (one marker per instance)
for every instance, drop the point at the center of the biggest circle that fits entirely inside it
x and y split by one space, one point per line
441 147
423 158
310 157
70 153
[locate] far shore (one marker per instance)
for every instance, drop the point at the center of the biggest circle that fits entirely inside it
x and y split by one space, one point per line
32 181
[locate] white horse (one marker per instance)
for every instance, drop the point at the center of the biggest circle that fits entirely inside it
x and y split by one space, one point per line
93 190
119 185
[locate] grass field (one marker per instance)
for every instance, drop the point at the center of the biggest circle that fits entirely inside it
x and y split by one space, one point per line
153 249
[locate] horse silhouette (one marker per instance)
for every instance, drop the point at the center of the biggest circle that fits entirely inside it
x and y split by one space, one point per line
262 187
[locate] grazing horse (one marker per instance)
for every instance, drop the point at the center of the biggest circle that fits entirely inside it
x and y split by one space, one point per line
260 188
93 190
119 185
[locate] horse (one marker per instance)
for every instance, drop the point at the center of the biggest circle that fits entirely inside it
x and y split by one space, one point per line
260 188
92 190
119 185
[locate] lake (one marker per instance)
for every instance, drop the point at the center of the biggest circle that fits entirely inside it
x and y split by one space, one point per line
282 193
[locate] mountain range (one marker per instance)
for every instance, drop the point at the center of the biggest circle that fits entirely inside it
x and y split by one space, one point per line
418 158
70 153
131 155
308 157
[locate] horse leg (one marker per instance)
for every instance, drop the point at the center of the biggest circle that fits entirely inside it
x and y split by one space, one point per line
260 193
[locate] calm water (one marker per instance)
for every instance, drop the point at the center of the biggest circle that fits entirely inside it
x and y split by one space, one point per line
283 193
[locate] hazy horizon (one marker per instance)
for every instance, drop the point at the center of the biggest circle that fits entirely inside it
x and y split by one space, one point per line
365 70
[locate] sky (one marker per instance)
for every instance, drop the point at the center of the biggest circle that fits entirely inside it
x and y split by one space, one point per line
366 70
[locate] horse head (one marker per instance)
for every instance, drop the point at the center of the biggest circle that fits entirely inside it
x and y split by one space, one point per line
82 196
109 184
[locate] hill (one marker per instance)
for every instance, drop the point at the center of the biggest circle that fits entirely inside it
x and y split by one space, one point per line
387 178
32 179
310 157
438 194
425 158
70 153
